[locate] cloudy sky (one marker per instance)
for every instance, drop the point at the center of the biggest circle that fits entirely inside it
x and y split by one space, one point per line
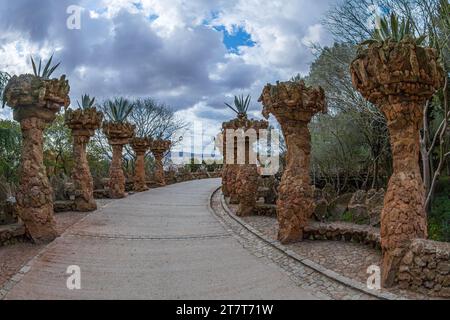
192 54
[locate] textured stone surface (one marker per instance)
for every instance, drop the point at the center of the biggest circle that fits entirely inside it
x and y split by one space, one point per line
426 268
294 104
140 147
236 145
247 187
399 78
118 134
35 102
83 123
159 148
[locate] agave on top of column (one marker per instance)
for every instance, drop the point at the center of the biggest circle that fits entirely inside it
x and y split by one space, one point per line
83 122
293 103
119 133
396 73
35 100
240 176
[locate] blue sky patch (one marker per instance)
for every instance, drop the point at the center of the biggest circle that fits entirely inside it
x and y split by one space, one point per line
239 37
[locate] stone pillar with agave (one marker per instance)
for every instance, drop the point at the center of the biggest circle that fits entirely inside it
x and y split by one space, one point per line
294 104
159 148
119 133
247 176
140 147
83 122
35 100
398 75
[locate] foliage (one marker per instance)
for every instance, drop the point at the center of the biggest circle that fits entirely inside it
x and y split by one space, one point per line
155 120
86 102
394 30
4 78
48 69
355 130
58 148
439 218
10 150
118 109
241 105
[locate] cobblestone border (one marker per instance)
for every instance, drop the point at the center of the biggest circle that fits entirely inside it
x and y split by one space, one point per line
383 294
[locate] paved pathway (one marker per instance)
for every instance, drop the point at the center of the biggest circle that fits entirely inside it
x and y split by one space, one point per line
161 244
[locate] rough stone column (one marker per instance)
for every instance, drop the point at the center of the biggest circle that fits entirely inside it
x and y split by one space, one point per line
35 101
35 194
83 123
399 78
403 217
159 148
116 175
81 175
119 134
294 104
140 147
247 177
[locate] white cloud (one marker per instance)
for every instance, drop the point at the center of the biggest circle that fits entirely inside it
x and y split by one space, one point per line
166 49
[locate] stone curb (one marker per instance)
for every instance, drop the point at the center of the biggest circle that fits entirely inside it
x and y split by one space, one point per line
305 261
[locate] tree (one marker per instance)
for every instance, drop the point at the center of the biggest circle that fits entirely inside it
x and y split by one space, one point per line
349 21
347 108
155 120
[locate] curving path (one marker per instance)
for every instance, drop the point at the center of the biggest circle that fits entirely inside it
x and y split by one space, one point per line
161 244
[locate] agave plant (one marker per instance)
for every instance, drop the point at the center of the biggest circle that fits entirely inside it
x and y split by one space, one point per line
118 110
297 78
86 102
47 71
241 105
391 29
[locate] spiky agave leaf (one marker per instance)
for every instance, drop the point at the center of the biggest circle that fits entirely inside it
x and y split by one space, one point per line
86 102
119 109
241 105
48 69
394 30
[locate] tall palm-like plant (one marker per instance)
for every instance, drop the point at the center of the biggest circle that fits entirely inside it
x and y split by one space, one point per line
47 71
118 110
241 105
86 102
393 29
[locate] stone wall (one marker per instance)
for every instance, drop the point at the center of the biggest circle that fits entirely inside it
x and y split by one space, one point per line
12 234
426 268
341 231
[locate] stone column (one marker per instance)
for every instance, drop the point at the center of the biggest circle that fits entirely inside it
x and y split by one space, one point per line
35 102
159 148
83 123
294 104
399 78
403 217
119 134
116 175
35 195
140 147
81 174
247 177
